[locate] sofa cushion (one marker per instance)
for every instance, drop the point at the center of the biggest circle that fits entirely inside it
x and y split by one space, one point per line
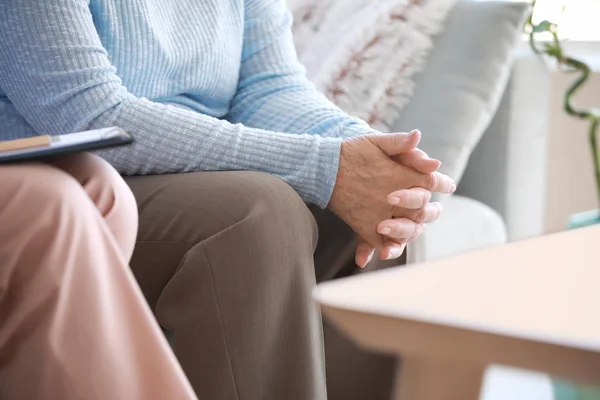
458 92
363 54
465 225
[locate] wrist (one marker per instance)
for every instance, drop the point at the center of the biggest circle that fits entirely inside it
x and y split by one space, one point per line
357 129
326 171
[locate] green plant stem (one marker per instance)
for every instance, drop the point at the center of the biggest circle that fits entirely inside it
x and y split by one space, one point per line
575 86
593 138
555 51
593 116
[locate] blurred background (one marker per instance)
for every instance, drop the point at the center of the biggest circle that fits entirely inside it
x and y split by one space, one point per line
465 74
570 182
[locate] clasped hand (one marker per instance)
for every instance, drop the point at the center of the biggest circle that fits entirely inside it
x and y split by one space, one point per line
383 192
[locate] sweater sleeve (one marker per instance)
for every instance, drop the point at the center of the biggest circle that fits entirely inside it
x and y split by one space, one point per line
273 91
56 72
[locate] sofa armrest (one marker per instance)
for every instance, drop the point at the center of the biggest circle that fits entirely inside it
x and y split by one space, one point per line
507 170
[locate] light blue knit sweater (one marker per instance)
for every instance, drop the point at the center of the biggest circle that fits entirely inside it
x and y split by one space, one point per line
202 84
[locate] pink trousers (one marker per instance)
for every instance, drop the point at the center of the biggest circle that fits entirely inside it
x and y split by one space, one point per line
73 322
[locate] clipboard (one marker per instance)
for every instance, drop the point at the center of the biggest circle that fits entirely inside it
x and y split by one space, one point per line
42 147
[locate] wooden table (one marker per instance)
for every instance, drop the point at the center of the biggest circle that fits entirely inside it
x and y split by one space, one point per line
533 304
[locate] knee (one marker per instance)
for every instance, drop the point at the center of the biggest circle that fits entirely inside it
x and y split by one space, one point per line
38 196
106 188
111 196
280 214
89 184
61 194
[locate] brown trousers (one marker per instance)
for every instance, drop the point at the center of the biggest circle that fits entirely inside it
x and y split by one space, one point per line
227 261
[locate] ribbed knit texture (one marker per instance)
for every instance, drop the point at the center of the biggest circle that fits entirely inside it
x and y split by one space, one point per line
202 84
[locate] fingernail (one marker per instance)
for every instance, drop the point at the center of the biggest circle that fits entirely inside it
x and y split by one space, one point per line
385 231
453 188
394 254
395 200
359 265
414 131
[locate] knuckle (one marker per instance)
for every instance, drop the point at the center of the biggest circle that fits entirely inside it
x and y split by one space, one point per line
426 198
431 181
408 228
399 228
396 141
399 138
418 230
420 216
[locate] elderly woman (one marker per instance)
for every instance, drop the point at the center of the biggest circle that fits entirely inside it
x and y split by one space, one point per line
73 322
213 89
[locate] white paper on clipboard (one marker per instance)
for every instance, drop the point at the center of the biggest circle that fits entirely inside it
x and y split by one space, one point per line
71 139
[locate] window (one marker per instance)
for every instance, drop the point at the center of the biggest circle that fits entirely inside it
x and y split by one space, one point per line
577 19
